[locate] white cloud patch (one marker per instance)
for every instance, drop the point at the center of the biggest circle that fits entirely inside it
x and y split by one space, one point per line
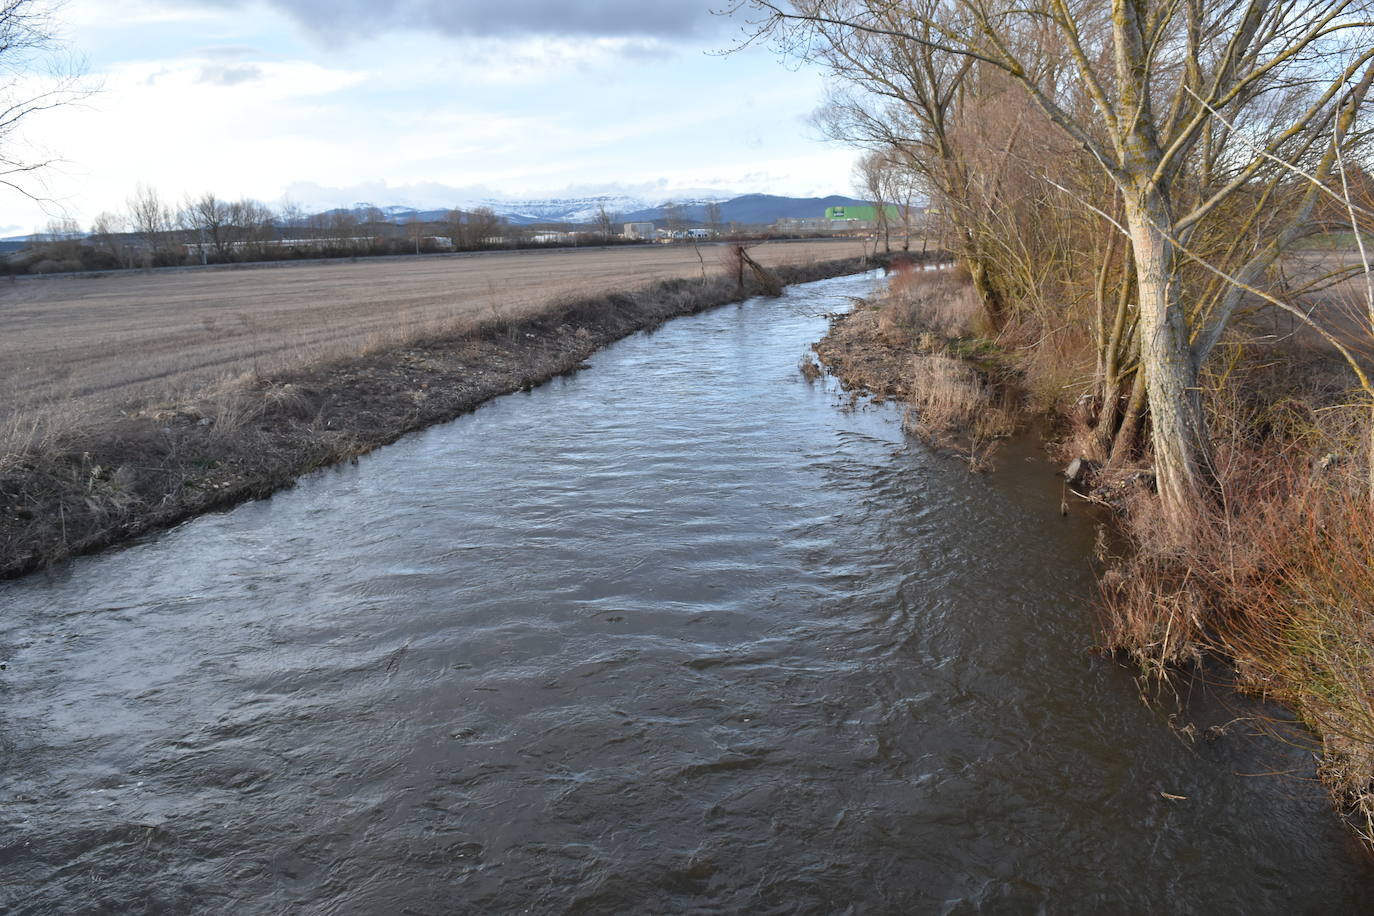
229 74
135 13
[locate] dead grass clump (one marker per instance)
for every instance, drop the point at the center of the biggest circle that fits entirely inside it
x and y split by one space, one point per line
1056 366
926 301
289 400
24 434
1298 620
1154 605
1278 578
946 394
953 406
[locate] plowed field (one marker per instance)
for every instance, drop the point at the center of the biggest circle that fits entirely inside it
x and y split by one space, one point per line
127 337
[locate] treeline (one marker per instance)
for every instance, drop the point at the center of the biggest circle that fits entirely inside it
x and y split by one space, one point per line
206 229
1135 188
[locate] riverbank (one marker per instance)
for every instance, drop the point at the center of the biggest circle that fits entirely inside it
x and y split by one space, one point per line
71 491
1278 588
735 648
915 346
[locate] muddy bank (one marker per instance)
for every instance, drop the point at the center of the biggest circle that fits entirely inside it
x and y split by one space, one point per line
858 355
152 467
964 394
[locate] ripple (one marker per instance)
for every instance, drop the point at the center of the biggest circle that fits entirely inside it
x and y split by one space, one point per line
672 635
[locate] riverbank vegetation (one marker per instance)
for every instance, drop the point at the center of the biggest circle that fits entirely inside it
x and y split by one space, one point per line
79 474
1163 210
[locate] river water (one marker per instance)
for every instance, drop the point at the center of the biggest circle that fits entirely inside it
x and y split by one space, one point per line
680 633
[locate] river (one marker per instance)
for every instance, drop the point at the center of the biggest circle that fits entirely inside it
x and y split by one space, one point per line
682 633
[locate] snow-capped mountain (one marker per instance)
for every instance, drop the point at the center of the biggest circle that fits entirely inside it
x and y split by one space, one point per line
551 210
567 210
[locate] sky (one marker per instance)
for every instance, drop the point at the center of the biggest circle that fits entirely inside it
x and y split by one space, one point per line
424 103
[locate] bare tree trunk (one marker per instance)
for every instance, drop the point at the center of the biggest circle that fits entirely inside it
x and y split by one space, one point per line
1127 435
1104 424
1178 427
981 276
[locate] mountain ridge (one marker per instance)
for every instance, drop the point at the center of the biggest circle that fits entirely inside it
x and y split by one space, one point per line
747 209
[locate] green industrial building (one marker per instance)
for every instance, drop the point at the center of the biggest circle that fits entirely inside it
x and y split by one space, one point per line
868 214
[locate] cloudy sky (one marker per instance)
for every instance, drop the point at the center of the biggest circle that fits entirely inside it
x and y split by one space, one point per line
423 103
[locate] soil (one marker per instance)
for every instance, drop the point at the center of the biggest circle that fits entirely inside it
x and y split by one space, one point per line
94 342
857 354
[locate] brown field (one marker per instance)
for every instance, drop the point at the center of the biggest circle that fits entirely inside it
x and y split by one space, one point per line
86 342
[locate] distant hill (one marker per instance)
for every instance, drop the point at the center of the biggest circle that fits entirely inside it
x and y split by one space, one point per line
751 209
748 210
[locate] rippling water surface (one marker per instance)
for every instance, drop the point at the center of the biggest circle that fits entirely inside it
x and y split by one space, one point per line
682 633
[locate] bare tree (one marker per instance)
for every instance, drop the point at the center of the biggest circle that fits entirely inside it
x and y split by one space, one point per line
107 233
343 228
672 218
250 227
207 219
152 223
294 219
605 222
416 230
484 227
60 245
455 227
713 220
870 179
33 78
1197 113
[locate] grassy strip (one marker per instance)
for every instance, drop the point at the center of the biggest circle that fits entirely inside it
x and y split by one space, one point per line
70 488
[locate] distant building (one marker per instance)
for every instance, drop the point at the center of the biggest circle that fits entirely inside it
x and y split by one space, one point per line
639 231
863 214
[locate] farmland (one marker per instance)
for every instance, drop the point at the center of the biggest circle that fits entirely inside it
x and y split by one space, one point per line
88 342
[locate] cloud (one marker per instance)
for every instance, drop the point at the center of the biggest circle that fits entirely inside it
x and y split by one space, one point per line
225 52
230 75
500 18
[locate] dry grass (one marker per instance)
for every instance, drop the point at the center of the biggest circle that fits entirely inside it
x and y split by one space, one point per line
1279 577
940 302
134 337
953 396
